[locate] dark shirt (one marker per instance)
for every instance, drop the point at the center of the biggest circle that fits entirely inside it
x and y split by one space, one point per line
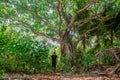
54 57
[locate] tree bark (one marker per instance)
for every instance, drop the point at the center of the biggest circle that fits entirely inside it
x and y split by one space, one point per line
98 41
111 37
84 44
68 49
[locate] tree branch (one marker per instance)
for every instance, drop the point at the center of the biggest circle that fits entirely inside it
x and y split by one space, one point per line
85 21
60 17
53 5
61 14
76 14
37 33
94 28
80 11
34 12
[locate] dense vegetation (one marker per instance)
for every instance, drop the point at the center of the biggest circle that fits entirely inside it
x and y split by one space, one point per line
78 30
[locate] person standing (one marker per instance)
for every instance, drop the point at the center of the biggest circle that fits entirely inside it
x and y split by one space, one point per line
54 61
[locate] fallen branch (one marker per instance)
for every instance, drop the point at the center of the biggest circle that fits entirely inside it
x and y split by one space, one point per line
114 70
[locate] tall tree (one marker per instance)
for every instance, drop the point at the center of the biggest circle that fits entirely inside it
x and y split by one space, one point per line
57 20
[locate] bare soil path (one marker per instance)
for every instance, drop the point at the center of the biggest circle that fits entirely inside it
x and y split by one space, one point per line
57 76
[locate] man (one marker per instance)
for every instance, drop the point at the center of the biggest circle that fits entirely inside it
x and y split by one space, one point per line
54 61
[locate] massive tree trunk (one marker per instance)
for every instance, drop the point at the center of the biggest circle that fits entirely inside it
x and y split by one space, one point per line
67 47
68 50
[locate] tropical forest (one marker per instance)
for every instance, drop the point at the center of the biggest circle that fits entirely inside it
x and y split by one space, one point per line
59 39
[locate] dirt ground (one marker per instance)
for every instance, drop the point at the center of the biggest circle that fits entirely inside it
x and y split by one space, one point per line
57 76
93 73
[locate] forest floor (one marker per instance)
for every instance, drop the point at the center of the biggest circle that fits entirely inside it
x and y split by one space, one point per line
58 76
93 73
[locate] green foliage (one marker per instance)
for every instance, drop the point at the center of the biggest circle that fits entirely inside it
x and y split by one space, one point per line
65 63
32 62
107 59
87 59
26 60
2 72
23 54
